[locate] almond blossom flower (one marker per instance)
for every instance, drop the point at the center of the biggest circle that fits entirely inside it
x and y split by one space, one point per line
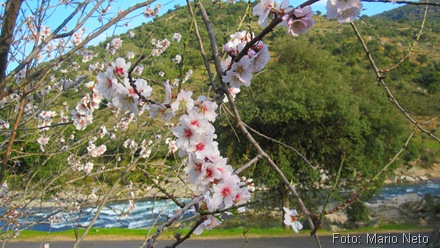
120 67
88 168
300 22
234 92
291 220
4 124
161 110
177 37
344 10
240 73
261 57
116 43
206 108
184 99
226 192
208 224
106 83
125 97
42 141
143 88
267 7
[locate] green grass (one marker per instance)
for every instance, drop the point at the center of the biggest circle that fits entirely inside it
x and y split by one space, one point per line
139 234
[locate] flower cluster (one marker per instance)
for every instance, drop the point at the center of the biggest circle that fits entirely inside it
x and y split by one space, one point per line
206 169
114 85
45 119
160 46
149 12
299 20
82 115
344 10
240 73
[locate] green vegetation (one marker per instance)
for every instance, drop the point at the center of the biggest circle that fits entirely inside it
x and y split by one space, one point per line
318 95
139 234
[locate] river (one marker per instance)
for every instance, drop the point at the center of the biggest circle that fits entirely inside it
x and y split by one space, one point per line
148 212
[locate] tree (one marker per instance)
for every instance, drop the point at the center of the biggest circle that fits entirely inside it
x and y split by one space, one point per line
90 121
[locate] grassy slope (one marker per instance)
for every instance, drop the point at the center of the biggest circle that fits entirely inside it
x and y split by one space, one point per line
139 234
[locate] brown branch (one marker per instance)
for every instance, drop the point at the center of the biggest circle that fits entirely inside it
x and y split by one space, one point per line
149 243
281 143
46 41
104 201
248 164
12 9
170 196
37 128
380 78
12 139
412 46
214 47
202 49
61 58
240 123
365 187
187 236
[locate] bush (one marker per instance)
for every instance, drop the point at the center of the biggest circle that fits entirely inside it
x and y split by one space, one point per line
357 212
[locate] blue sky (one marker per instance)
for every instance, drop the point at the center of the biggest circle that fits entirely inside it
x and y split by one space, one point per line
60 13
56 16
369 9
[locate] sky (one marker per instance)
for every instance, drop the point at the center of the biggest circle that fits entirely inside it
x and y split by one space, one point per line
59 14
368 9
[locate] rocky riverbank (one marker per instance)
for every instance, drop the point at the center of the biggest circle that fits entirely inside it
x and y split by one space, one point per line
414 174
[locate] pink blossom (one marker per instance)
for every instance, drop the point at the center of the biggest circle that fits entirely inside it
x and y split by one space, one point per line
344 10
300 22
290 219
208 224
120 67
184 99
265 8
240 73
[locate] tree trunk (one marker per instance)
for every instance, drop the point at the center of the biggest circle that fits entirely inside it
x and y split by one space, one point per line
285 203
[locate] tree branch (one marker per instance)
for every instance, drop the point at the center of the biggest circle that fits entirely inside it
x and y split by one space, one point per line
380 78
12 9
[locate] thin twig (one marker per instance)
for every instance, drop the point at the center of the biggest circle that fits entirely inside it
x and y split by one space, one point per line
248 164
380 78
367 186
188 235
412 46
170 196
202 49
250 138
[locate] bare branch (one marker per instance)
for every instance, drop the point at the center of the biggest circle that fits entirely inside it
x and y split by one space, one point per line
249 137
412 46
6 38
380 78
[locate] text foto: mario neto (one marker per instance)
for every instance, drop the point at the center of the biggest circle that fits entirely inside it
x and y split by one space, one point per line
374 238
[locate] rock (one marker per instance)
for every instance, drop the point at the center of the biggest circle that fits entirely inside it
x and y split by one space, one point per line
407 179
423 178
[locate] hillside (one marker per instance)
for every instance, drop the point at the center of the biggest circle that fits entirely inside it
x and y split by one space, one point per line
412 13
325 94
416 81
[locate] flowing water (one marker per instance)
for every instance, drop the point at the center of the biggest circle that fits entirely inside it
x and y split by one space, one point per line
148 212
